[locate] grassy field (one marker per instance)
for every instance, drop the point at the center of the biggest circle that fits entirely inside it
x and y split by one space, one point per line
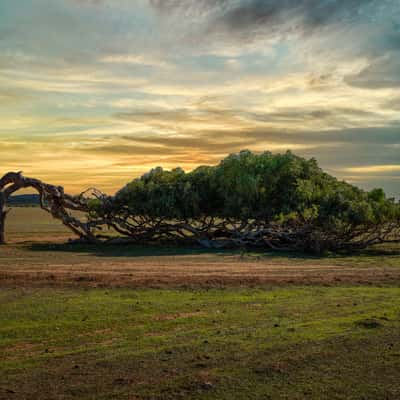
165 323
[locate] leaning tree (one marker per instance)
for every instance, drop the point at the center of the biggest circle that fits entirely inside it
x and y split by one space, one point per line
53 200
274 201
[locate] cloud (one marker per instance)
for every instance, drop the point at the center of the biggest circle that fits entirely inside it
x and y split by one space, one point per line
393 103
374 169
117 87
268 16
203 116
365 29
67 80
382 73
11 97
187 6
110 161
352 147
132 59
88 2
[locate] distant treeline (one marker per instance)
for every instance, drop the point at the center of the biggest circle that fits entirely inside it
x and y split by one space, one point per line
24 200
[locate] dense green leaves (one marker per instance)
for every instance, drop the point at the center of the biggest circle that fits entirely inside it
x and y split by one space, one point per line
256 186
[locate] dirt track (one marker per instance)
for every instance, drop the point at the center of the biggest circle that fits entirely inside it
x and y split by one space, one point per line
22 264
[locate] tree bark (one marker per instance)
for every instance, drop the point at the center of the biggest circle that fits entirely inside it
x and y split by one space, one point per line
3 214
2 228
53 200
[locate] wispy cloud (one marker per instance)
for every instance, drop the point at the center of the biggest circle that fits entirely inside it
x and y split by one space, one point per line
373 169
143 60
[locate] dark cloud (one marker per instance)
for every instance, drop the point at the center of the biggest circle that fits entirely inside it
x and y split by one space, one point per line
356 136
382 73
374 136
208 141
268 15
382 143
127 149
235 117
154 147
293 114
187 6
392 39
383 51
180 120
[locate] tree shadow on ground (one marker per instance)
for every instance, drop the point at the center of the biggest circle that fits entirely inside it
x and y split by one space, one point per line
123 250
132 250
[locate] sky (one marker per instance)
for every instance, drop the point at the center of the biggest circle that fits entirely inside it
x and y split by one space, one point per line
97 92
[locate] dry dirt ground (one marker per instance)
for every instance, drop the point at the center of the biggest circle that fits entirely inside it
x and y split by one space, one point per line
38 254
50 264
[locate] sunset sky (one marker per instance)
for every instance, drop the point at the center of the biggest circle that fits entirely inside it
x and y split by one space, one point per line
96 92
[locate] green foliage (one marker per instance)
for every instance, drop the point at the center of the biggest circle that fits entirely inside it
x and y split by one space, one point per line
267 187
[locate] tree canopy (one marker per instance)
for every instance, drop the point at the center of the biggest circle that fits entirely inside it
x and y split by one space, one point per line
280 190
256 186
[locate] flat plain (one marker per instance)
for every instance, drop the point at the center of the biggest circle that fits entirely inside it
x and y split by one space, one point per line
136 322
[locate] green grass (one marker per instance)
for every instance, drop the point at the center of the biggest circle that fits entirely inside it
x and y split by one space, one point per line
290 343
62 339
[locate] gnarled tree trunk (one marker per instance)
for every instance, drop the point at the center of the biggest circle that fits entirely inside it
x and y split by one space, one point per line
3 214
53 200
